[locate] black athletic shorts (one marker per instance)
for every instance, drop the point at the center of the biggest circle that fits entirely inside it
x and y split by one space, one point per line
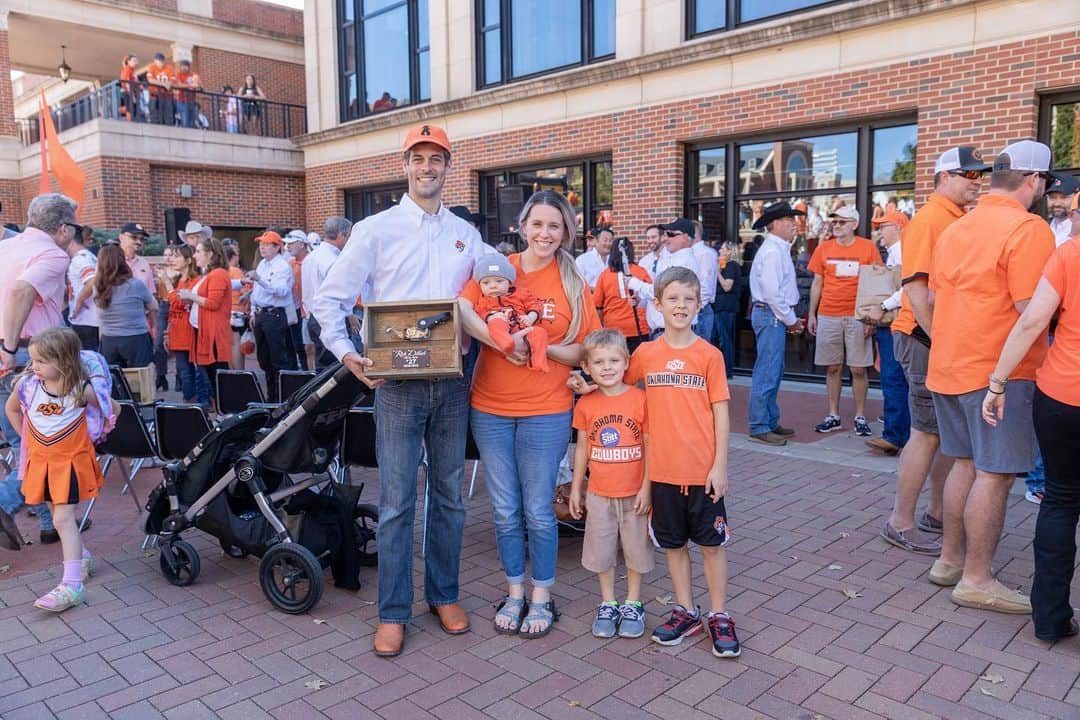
677 518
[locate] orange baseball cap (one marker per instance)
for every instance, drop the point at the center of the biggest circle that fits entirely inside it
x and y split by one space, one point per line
269 237
427 134
892 217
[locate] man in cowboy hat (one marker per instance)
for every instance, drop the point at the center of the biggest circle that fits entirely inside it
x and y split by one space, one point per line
774 297
194 232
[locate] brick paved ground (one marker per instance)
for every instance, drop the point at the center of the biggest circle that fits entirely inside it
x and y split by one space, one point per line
805 532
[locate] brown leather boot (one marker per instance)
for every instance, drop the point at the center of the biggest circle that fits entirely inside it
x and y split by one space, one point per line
389 639
452 618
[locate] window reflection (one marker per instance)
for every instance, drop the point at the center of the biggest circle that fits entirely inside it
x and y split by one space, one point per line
1064 138
826 161
757 9
711 172
361 203
545 35
709 15
894 155
386 60
603 26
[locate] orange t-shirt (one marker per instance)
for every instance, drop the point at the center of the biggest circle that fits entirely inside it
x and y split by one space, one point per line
155 74
187 80
181 333
614 428
618 312
839 268
237 306
917 242
502 388
1059 377
127 76
681 385
983 264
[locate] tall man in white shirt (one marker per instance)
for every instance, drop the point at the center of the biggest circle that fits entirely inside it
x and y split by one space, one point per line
708 263
651 259
1059 198
314 270
678 236
590 264
774 297
416 250
271 295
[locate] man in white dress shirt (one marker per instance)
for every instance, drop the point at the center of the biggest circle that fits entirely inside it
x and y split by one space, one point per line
271 294
416 250
678 236
708 263
651 259
314 270
1059 200
590 264
774 297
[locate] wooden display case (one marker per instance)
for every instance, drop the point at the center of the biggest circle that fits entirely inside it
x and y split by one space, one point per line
396 342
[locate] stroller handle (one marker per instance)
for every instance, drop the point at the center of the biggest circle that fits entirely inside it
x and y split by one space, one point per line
342 374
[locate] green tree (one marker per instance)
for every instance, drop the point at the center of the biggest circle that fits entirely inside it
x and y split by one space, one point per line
904 169
1063 124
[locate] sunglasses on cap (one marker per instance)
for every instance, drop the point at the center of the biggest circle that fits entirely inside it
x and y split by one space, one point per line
1044 175
967 174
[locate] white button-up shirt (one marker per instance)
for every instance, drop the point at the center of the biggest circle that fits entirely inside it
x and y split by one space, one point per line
314 271
708 265
683 258
892 260
772 278
406 254
1062 230
651 262
273 284
590 265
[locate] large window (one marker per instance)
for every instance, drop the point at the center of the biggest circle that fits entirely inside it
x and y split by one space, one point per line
728 185
1059 127
708 16
384 55
363 202
521 38
586 184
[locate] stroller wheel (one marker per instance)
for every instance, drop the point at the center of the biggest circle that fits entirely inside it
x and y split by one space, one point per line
181 565
365 527
232 551
291 578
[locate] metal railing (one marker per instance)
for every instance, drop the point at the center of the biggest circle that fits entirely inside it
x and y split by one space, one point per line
198 109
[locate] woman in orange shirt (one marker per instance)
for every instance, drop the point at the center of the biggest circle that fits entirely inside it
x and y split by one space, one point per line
618 305
1056 410
212 298
181 336
521 419
129 88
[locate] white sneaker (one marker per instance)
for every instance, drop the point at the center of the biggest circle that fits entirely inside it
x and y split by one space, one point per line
1034 497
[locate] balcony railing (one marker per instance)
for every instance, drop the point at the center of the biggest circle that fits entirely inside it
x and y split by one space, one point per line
141 102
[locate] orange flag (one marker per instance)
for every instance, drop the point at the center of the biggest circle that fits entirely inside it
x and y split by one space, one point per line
43 183
68 174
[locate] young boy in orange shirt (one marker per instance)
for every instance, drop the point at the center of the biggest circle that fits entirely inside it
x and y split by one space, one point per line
611 427
686 397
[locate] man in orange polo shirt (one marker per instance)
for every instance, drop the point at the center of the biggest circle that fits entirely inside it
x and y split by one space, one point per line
957 178
840 335
983 273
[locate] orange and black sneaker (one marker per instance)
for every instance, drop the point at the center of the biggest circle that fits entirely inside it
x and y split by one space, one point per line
680 625
722 633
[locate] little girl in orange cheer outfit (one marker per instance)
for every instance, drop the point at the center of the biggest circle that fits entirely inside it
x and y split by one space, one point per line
60 411
507 309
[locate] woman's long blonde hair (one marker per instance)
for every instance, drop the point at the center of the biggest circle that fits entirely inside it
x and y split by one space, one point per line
572 281
60 346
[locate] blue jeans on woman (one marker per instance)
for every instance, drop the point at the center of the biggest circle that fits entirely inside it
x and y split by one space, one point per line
725 335
894 392
771 344
521 463
193 382
409 416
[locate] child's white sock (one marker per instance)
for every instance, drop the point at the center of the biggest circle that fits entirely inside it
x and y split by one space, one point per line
73 574
85 552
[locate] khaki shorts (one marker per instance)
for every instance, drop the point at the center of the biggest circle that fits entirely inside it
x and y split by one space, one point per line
914 358
840 337
609 523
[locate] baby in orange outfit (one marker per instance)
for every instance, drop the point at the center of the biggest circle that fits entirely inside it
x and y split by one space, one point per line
507 309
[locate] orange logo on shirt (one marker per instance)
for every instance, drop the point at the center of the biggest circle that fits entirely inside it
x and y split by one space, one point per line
50 408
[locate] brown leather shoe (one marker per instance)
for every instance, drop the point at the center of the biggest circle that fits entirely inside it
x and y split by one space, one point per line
389 639
883 445
452 618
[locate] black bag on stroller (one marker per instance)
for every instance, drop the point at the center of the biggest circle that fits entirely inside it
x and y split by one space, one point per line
236 485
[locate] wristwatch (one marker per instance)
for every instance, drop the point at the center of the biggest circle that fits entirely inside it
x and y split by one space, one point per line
883 308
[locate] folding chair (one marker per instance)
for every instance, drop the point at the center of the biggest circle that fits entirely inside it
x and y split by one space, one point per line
289 381
236 389
178 427
129 440
122 392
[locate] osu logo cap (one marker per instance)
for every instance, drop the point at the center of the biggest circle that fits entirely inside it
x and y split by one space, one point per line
427 134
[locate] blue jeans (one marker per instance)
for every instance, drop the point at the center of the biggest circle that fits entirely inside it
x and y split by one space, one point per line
521 463
894 391
725 335
771 345
705 322
188 112
409 415
11 497
194 385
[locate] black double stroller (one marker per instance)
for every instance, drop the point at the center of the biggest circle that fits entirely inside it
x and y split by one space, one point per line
241 484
